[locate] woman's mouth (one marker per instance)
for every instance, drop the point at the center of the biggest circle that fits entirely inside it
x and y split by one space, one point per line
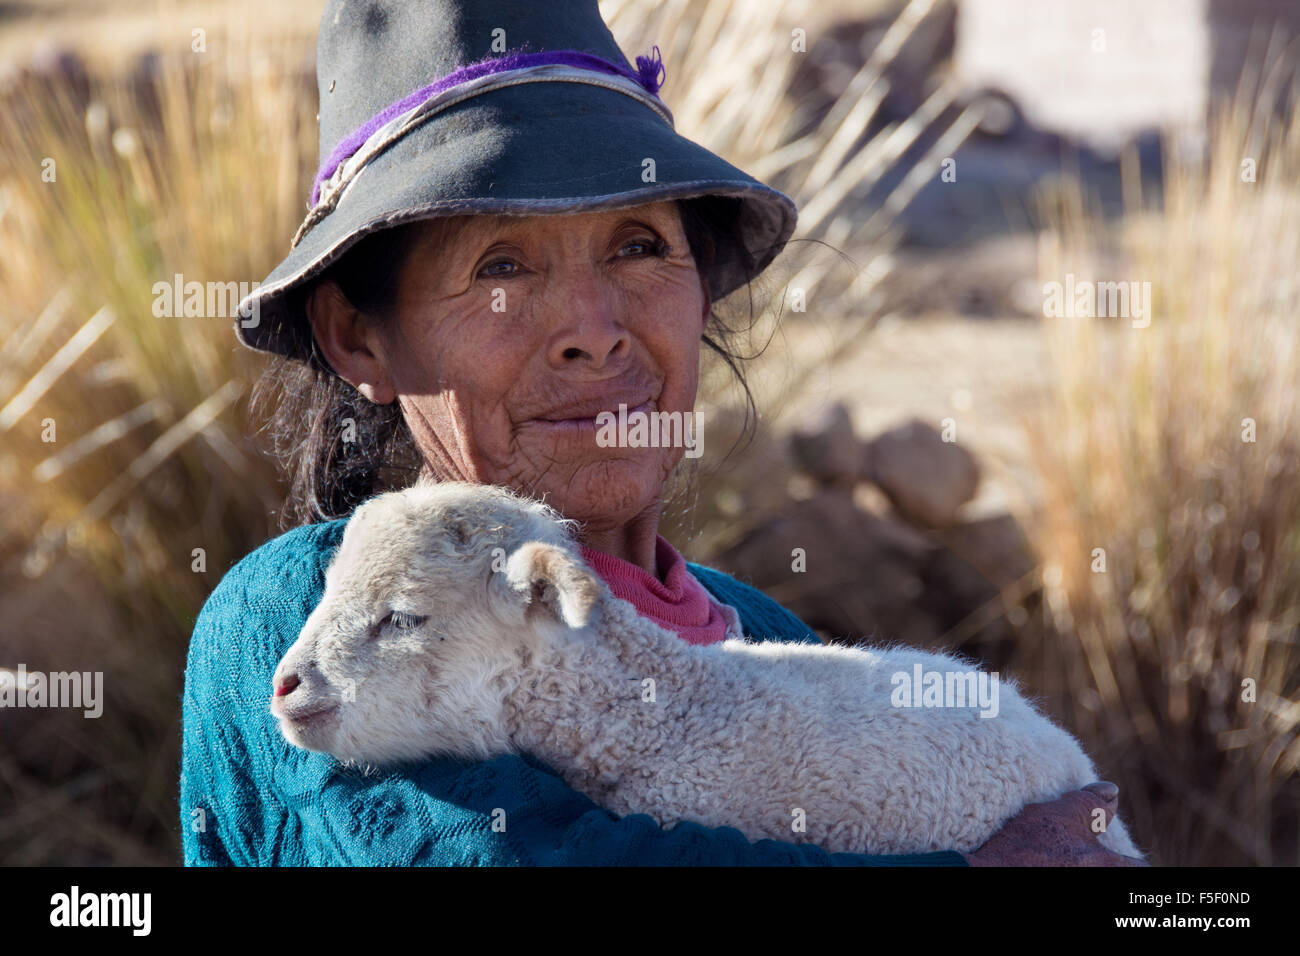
577 425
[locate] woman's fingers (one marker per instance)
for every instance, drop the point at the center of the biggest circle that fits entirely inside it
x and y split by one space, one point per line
1104 789
1062 832
1104 796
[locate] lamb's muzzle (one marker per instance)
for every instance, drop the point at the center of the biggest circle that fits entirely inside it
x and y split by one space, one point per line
459 620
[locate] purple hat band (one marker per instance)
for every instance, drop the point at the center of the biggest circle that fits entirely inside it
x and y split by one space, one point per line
649 73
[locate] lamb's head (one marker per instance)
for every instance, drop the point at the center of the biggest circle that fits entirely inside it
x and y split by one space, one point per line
436 598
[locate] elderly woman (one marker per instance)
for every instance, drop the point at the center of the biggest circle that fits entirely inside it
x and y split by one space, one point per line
495 254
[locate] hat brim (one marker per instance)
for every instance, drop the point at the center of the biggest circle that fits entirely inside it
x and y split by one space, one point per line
533 149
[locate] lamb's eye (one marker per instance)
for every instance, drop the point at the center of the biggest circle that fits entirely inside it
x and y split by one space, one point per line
403 622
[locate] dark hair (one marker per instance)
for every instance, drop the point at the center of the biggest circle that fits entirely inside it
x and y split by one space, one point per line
337 448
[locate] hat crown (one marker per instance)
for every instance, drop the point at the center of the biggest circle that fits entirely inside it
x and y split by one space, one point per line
371 54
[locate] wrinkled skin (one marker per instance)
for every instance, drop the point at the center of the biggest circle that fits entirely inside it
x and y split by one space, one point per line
605 305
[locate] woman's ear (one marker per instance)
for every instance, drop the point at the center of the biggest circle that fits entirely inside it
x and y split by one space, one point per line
349 343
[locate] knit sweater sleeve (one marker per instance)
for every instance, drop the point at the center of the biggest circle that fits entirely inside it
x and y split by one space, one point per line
247 797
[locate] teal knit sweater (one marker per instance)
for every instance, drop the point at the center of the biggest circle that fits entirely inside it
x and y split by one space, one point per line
247 797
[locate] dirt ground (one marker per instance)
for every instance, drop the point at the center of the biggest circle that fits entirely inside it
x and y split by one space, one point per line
981 373
106 31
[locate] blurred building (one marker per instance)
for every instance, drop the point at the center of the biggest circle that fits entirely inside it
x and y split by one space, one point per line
1102 71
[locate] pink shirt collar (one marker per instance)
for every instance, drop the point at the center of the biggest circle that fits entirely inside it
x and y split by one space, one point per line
678 602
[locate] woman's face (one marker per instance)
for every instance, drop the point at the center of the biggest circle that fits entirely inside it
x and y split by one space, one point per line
512 333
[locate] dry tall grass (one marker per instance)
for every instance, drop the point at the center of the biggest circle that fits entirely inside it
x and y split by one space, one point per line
123 444
122 452
1170 528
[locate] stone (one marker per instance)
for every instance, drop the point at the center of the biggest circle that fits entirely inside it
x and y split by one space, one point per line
826 447
926 479
863 573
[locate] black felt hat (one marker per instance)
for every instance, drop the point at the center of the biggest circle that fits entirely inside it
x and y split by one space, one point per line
447 107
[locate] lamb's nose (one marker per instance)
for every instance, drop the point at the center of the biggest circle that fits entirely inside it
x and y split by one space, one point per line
286 684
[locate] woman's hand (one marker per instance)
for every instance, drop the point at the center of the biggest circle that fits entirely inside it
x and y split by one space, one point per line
1058 833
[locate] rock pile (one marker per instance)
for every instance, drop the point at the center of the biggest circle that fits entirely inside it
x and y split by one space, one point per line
877 546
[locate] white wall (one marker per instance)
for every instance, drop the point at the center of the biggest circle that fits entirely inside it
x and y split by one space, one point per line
1095 69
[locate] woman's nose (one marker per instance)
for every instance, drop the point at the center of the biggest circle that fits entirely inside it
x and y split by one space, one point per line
590 329
286 684
596 347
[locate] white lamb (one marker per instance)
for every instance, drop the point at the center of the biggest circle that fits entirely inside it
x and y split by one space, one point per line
460 620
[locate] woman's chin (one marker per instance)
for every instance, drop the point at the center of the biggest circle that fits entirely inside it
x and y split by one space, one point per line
604 486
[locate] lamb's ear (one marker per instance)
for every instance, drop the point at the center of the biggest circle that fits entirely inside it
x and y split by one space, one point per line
552 580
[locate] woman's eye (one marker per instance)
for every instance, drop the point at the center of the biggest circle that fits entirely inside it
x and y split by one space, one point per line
501 268
641 247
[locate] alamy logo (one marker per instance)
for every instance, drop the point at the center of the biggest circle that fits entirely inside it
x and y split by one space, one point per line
213 300
639 429
75 908
1084 299
24 688
922 688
